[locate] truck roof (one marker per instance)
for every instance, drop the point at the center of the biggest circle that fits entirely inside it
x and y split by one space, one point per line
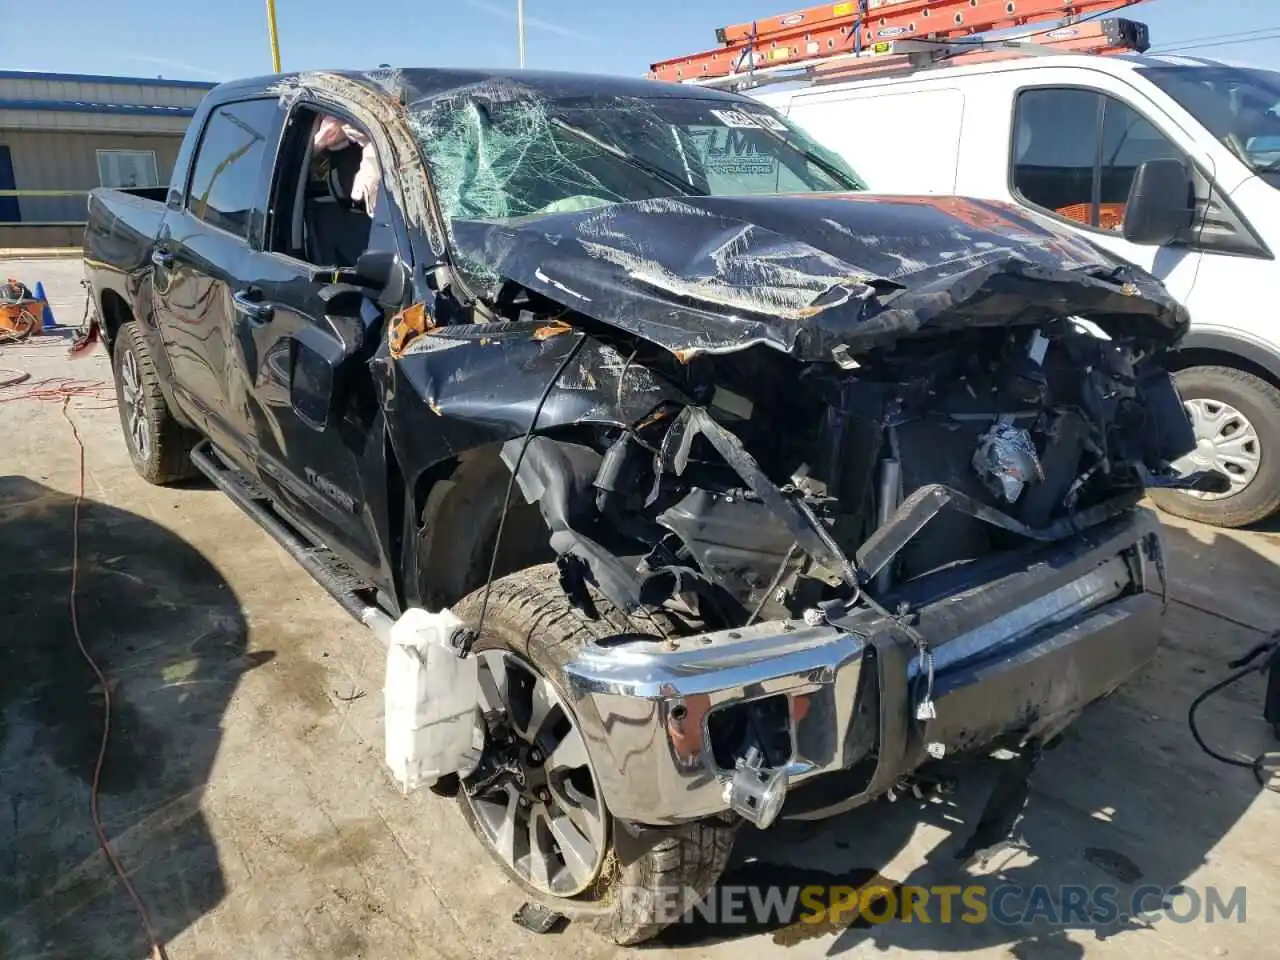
429 83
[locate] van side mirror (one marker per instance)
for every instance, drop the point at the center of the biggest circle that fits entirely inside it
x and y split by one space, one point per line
1161 203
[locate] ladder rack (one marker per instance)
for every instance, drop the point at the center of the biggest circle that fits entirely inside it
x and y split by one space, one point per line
1100 37
862 37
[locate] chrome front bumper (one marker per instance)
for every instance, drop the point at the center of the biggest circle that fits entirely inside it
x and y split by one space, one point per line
1020 652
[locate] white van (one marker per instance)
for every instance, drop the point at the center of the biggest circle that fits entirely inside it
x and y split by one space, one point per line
1066 135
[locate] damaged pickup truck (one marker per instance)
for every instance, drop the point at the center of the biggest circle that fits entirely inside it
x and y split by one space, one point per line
746 494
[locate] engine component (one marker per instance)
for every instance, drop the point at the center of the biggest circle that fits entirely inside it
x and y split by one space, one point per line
1006 460
756 793
890 495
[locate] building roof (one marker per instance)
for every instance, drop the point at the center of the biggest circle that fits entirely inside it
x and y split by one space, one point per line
84 106
100 78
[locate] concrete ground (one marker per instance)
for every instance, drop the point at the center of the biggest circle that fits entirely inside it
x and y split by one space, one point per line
245 793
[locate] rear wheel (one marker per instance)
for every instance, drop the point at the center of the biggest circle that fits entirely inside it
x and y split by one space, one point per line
1236 417
159 446
535 801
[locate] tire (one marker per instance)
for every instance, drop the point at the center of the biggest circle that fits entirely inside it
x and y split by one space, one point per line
1240 401
530 624
159 446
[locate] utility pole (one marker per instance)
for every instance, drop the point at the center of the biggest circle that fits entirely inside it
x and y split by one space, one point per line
274 37
519 28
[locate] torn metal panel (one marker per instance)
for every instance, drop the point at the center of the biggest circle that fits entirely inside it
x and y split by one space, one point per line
406 325
808 274
930 500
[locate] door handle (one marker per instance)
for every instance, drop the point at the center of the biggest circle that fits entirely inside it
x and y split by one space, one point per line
162 258
252 308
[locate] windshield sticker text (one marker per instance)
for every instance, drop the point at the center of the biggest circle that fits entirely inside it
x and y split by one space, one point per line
748 121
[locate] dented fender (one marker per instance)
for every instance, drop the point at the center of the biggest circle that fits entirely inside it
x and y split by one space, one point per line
458 388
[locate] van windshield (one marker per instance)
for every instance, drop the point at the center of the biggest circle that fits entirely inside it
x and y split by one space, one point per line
496 157
1238 105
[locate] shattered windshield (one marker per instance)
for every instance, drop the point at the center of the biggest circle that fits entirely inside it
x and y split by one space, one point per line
1238 105
497 154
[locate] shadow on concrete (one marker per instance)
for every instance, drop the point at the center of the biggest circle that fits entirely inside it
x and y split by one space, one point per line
169 634
1125 800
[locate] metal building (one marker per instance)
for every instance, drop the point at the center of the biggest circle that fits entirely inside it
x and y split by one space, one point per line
63 134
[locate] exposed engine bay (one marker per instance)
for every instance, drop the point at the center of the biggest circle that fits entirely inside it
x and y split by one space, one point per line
758 500
785 375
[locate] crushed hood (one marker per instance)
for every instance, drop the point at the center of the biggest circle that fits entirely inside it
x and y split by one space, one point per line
809 274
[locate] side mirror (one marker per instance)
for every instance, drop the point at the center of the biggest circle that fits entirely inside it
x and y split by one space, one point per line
323 355
384 271
313 376
1161 203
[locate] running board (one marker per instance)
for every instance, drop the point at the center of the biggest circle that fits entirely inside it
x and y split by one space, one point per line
357 595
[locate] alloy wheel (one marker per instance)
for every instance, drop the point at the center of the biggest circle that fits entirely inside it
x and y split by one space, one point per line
135 404
533 794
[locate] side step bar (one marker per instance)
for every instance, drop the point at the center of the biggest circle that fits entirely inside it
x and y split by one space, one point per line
357 595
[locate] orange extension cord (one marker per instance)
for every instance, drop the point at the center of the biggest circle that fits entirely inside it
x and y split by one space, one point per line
55 388
157 949
66 389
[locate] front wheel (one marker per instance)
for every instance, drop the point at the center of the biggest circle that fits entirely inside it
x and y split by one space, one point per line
1236 418
534 801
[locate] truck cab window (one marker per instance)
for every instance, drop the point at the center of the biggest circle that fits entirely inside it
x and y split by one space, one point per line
224 179
330 205
1075 153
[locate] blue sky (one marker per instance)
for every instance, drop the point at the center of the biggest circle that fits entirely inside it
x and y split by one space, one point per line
228 38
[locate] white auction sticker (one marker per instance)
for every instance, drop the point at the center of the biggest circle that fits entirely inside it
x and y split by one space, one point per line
748 121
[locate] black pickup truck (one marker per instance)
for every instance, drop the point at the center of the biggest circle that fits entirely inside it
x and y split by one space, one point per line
755 493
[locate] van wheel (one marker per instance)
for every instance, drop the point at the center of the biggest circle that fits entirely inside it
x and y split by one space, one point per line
1236 417
159 446
534 801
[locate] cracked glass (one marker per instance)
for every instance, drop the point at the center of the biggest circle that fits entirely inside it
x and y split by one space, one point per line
498 151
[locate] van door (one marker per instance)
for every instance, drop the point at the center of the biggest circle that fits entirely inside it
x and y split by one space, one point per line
1074 151
904 141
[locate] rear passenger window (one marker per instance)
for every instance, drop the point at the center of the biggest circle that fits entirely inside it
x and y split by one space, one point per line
1075 153
226 177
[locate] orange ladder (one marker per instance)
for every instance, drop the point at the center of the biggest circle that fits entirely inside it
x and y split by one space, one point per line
858 29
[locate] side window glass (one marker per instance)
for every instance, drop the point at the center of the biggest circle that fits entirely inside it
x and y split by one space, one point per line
1128 141
225 178
330 202
1055 150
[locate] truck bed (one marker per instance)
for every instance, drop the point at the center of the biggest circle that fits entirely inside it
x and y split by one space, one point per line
122 227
